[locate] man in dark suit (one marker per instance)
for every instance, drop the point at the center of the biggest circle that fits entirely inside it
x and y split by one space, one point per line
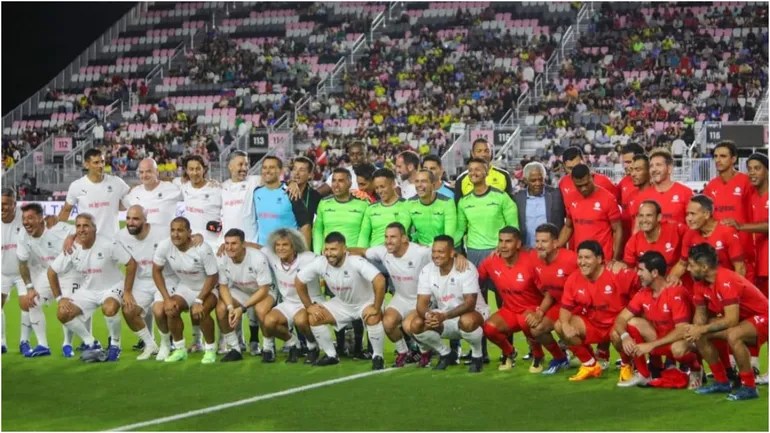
537 203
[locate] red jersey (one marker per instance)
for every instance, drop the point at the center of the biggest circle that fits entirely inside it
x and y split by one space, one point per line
732 199
668 243
724 239
673 203
599 301
592 219
672 306
550 277
759 211
515 284
730 288
570 193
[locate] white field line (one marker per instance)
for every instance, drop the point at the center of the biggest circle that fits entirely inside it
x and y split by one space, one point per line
246 401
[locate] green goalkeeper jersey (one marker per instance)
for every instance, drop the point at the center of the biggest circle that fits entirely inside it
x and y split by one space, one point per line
376 219
482 216
430 220
336 216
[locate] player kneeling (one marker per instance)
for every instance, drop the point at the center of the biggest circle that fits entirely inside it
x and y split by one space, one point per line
461 310
654 323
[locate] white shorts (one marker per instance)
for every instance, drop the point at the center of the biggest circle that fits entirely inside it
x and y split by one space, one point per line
88 301
344 314
452 326
402 305
243 297
9 281
144 294
289 309
189 295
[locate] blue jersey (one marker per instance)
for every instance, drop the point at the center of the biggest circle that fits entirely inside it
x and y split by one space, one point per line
275 210
446 191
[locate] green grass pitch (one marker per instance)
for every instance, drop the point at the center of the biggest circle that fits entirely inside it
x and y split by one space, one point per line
58 394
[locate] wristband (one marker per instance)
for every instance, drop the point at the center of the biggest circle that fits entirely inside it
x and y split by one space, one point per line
29 286
198 301
624 335
229 307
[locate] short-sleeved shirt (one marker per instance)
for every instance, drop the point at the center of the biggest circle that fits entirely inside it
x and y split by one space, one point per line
336 216
351 282
551 277
248 275
191 267
569 192
496 178
430 220
405 270
449 290
673 203
515 283
627 193
732 199
668 243
40 252
724 239
482 216
759 213
599 301
160 203
664 312
238 207
730 288
286 273
143 251
202 205
12 233
592 219
102 200
377 217
275 210
98 265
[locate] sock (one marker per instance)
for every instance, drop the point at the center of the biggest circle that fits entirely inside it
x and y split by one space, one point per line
747 379
754 351
377 338
293 341
583 353
358 333
640 362
268 343
484 351
253 334
690 360
340 336
602 353
720 374
144 335
196 334
624 359
113 324
497 337
25 326
210 347
401 346
537 350
67 336
180 345
78 326
555 350
232 341
37 321
311 345
433 340
88 325
454 345
165 339
149 320
324 339
754 361
723 350
474 339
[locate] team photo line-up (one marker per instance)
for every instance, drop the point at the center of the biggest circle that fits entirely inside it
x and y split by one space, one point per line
672 280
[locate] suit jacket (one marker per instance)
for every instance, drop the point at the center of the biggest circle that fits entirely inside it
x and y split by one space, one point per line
554 207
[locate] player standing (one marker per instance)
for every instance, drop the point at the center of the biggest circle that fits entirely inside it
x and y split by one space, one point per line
12 226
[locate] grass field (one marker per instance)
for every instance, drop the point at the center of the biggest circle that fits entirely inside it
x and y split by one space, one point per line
65 394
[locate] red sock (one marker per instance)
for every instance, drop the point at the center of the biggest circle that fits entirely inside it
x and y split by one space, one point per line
555 350
723 349
641 366
656 361
582 352
754 350
690 360
603 350
625 359
537 350
720 374
747 379
500 339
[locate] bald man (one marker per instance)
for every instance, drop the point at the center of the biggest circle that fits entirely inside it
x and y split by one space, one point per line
158 198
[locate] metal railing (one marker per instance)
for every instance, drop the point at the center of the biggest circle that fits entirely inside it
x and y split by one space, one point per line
510 149
454 157
762 110
332 80
257 168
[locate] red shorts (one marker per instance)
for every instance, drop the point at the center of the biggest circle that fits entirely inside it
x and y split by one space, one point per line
760 324
516 322
595 334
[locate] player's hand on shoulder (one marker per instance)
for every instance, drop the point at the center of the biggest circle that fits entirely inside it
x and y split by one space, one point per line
196 240
461 263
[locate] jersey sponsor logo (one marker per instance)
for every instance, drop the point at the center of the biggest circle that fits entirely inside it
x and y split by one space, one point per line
737 191
669 247
677 298
719 245
9 247
675 199
98 204
597 206
607 290
560 273
520 278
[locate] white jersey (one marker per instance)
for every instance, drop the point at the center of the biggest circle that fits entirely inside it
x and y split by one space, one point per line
405 270
11 235
448 290
40 252
248 275
102 200
191 266
98 265
408 190
284 275
159 203
351 282
202 205
238 206
143 251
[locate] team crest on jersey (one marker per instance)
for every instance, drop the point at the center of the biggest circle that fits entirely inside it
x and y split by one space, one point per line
452 280
519 277
154 246
719 245
345 274
608 290
675 199
160 194
560 273
737 191
669 247
410 264
109 188
18 229
195 260
666 309
172 257
99 255
206 196
597 206
49 245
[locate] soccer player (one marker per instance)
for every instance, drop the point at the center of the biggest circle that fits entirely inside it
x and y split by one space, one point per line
627 188
671 196
592 299
357 154
141 239
341 212
158 198
390 208
432 163
705 228
592 214
302 171
365 177
12 226
573 157
359 290
287 254
459 311
513 275
96 193
202 200
431 213
654 323
553 266
97 258
407 164
244 282
640 179
238 196
197 273
495 177
403 260
37 249
655 234
273 207
727 307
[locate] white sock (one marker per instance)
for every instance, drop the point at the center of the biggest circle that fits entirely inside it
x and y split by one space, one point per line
210 347
293 341
149 319
37 321
268 343
25 326
474 339
755 362
145 335
312 345
88 324
232 341
67 336
401 346
377 338
78 326
113 325
196 334
432 339
165 339
179 344
324 339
